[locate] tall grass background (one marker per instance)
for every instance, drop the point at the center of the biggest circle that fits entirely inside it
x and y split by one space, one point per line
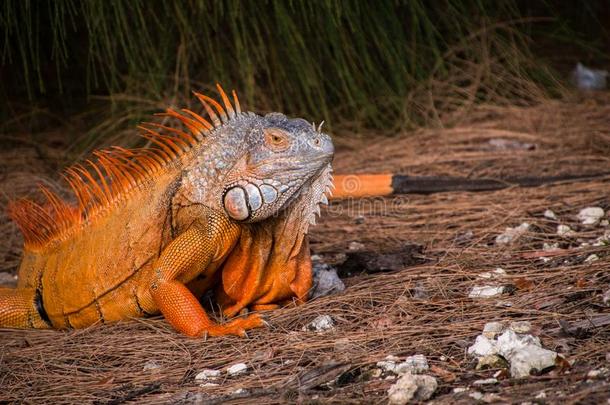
388 64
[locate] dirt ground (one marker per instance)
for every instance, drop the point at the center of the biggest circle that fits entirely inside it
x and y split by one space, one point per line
415 309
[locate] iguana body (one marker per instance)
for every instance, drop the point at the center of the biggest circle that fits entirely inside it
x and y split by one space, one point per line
154 228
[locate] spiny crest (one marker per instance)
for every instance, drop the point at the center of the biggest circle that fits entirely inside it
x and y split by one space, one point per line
112 173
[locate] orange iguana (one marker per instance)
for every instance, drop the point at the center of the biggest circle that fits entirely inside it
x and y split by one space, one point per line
226 205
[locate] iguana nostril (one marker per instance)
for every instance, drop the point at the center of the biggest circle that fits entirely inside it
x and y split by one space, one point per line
235 204
255 199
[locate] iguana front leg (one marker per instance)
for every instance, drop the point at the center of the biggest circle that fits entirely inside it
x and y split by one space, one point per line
194 251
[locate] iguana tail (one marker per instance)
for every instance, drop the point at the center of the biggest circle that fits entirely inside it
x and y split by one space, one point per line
385 184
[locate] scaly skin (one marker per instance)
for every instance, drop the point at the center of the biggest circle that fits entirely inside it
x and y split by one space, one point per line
153 239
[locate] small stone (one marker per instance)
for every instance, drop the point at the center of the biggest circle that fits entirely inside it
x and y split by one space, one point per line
482 346
326 281
359 220
599 373
549 214
409 386
240 391
541 395
151 365
316 258
354 246
491 361
485 291
237 369
592 258
389 364
512 234
491 329
459 390
320 324
604 223
376 373
564 230
420 292
476 395
590 216
496 274
490 398
521 326
603 240
207 374
416 364
486 381
524 353
550 247
208 385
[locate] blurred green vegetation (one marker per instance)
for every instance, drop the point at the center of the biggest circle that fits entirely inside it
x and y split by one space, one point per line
386 64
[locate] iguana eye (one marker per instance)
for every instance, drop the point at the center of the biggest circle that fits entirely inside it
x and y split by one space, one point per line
276 139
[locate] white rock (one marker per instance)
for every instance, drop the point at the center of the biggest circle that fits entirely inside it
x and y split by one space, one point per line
476 395
599 373
541 395
549 214
239 391
604 222
496 274
603 240
208 385
402 391
237 369
521 326
486 381
387 366
482 346
326 281
491 329
592 258
409 386
353 246
416 364
207 374
485 291
151 365
459 390
320 324
524 353
590 216
564 230
512 234
550 247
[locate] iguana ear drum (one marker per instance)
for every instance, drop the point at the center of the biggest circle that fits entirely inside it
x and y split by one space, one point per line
235 203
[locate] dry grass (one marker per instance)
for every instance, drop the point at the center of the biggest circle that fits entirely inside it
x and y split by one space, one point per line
378 314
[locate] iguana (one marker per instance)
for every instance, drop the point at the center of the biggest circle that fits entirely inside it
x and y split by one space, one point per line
225 204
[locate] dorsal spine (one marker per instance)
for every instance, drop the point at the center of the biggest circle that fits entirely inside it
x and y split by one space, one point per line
113 173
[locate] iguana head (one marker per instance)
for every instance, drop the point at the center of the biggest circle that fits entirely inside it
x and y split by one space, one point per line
284 159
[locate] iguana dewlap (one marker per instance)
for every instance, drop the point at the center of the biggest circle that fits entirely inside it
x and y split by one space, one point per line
152 226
